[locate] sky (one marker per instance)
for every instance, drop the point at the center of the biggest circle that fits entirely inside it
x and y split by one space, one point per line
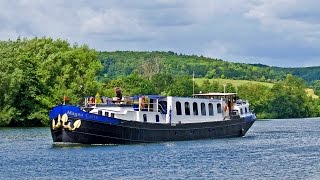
284 33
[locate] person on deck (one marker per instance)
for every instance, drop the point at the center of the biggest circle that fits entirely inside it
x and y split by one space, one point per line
118 93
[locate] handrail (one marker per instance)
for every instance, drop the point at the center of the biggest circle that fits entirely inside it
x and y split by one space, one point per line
156 105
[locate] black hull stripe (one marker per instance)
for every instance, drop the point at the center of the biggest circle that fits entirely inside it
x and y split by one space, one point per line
143 141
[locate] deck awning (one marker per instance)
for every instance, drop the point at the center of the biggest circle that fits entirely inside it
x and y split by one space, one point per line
215 94
149 96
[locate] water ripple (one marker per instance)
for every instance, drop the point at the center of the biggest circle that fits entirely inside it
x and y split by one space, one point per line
276 149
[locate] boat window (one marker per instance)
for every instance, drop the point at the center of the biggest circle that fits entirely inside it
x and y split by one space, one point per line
210 109
144 118
112 115
106 114
195 108
245 110
203 109
163 107
219 108
187 108
99 112
241 111
178 108
151 105
157 118
234 113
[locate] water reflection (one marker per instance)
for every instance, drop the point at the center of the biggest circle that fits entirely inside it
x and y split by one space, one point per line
64 145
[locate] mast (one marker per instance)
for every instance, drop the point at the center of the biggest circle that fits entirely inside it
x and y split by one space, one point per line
193 84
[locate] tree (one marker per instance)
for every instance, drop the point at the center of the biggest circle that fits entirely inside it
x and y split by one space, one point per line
259 97
38 73
290 99
316 86
182 86
10 79
151 66
230 88
131 85
161 81
211 74
206 86
215 86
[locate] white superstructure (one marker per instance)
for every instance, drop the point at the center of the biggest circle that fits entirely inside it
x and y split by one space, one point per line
174 110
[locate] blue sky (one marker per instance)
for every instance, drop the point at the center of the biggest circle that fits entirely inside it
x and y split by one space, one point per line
282 33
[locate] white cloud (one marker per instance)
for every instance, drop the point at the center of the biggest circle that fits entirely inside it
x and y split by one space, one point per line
218 49
295 20
274 32
110 21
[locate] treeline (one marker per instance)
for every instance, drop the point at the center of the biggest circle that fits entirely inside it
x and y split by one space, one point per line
122 63
286 99
309 74
35 75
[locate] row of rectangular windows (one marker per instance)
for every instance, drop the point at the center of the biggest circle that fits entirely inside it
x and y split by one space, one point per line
106 114
195 108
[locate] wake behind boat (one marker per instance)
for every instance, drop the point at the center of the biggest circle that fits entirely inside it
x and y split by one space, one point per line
151 118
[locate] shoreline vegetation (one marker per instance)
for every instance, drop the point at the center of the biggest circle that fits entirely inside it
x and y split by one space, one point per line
37 73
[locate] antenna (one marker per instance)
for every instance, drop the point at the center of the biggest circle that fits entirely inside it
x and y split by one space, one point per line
193 84
224 90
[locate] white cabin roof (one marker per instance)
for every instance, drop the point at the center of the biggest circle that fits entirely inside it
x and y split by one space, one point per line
215 94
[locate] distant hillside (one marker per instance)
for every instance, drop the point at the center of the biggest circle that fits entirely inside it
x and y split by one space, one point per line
121 63
310 92
309 74
235 83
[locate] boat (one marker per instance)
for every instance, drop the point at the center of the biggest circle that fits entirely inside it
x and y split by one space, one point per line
151 118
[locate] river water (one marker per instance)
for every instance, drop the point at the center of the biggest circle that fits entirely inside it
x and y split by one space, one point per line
274 149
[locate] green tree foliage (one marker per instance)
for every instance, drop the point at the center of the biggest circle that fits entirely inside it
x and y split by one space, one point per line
214 86
286 99
259 97
290 99
309 74
206 86
161 82
230 88
134 84
121 63
182 86
10 78
151 66
316 87
37 73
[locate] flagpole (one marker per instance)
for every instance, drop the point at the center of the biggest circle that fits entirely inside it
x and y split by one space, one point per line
193 84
